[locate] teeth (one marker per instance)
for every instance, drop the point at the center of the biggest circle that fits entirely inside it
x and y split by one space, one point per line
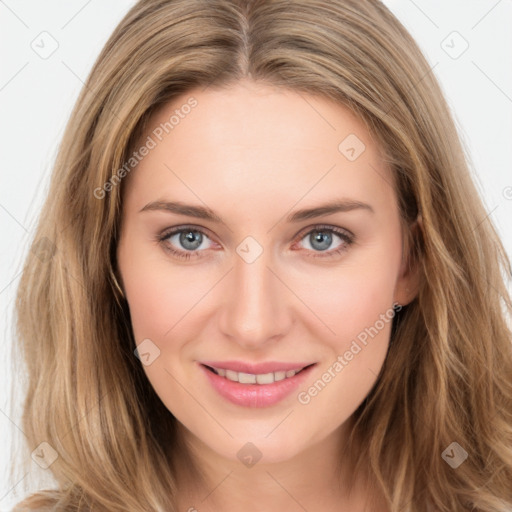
279 376
231 375
265 378
246 378
250 378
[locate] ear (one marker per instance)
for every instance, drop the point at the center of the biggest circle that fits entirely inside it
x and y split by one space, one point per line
408 282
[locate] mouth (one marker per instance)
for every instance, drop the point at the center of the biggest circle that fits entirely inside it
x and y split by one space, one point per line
256 378
255 386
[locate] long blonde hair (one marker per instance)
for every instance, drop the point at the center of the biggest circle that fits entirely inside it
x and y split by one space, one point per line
448 373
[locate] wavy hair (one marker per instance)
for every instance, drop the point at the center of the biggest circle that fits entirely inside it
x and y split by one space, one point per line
448 372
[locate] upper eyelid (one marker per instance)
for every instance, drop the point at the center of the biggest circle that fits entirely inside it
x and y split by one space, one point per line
300 234
166 233
327 227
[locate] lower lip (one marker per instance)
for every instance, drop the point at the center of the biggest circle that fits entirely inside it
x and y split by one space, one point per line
256 395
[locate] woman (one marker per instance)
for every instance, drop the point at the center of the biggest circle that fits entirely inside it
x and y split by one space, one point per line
263 277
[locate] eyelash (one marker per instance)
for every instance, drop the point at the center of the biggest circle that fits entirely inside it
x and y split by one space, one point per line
347 238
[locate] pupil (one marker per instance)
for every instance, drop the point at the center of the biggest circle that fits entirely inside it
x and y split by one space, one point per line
190 239
322 236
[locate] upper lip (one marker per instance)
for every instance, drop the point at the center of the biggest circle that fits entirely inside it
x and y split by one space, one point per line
256 368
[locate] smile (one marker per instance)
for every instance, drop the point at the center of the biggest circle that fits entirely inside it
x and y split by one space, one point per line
266 385
252 378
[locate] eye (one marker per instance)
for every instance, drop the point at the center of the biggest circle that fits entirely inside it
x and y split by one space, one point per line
320 239
190 238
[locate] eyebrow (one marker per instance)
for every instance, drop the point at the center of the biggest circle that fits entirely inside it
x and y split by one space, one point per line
206 213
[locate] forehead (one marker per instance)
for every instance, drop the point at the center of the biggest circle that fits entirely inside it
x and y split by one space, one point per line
249 142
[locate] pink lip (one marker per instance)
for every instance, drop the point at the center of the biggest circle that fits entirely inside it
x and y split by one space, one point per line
257 369
255 395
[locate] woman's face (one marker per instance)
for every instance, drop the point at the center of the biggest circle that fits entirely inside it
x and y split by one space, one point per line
265 276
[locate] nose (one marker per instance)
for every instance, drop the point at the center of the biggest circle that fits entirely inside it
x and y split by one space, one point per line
256 310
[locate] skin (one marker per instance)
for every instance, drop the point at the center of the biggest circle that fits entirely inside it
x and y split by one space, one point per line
254 154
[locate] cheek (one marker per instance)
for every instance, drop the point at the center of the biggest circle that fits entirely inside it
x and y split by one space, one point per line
162 300
360 314
166 299
351 297
355 302
159 292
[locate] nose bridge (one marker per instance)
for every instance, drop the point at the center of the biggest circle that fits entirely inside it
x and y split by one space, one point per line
254 311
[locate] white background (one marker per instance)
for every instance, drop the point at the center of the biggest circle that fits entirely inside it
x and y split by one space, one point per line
36 97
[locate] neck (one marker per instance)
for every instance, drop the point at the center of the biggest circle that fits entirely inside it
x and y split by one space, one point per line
319 478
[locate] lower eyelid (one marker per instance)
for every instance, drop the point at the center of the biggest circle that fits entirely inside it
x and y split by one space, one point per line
345 237
167 236
346 241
